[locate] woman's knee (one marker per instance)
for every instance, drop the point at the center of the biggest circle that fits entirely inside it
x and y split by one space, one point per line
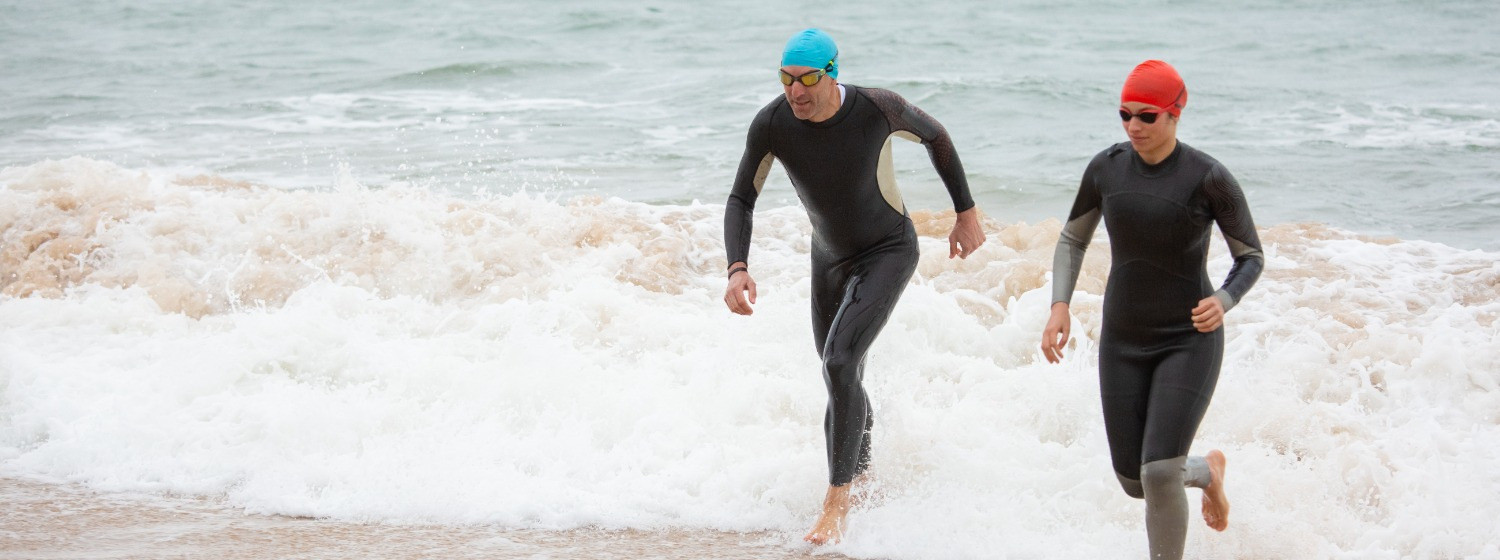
1162 477
1131 486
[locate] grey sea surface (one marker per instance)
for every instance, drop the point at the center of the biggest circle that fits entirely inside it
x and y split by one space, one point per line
1378 117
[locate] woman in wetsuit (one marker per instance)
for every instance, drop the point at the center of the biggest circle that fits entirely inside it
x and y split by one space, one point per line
1161 343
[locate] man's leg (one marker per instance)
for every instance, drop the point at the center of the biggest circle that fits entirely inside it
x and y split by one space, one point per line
868 297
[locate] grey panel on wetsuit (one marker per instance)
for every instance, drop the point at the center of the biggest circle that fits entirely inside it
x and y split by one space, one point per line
1166 508
1166 505
886 172
1195 474
1077 232
1067 260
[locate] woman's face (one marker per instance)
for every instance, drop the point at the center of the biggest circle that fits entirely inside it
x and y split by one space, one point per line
1148 138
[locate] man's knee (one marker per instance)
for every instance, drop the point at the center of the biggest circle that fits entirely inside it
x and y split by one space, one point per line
841 372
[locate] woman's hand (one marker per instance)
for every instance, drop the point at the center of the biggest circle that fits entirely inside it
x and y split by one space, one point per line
1209 315
1055 335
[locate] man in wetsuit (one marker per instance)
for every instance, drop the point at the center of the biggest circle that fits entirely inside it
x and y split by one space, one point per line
1161 343
833 140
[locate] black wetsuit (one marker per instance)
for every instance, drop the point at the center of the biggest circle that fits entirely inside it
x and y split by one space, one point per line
1156 371
864 248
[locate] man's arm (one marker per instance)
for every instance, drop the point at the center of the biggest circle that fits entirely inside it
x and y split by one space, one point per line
912 123
739 211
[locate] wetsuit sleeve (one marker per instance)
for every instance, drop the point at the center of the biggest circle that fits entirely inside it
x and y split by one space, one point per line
920 127
755 164
1067 259
1227 202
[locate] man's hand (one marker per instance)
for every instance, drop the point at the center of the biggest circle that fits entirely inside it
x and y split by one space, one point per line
967 235
739 284
1209 315
1055 335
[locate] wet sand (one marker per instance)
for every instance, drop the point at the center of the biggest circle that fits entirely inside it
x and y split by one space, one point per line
45 521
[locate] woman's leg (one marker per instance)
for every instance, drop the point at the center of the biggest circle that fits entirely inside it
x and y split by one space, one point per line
1182 386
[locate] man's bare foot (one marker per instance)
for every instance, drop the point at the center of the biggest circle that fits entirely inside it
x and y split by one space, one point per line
1215 504
830 526
863 491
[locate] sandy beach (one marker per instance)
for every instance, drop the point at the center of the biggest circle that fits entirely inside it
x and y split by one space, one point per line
45 521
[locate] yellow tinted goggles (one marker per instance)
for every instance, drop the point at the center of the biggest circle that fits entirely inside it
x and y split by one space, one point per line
809 79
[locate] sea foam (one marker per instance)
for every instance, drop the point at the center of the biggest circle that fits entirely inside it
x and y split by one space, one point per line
402 356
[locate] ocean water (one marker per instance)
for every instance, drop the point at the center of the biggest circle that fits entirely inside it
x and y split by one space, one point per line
463 267
1378 116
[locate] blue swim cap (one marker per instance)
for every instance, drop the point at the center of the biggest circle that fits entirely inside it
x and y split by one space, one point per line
813 48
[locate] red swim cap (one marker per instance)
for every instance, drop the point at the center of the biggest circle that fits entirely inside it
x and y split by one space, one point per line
1156 83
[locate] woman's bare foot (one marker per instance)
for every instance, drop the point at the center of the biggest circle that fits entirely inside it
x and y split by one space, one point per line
830 526
1215 504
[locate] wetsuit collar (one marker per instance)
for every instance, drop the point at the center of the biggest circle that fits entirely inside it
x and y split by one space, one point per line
847 100
1161 168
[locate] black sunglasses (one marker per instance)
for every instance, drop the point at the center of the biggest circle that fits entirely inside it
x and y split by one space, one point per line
1148 117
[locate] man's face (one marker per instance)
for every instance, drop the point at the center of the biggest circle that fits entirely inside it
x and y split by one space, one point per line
812 102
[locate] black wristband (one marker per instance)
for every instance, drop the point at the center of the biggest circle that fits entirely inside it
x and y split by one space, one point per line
737 269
